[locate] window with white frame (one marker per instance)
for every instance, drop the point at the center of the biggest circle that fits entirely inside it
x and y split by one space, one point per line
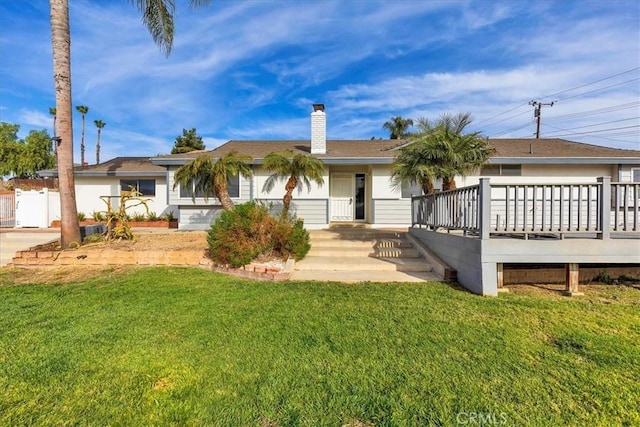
233 187
412 189
145 186
501 170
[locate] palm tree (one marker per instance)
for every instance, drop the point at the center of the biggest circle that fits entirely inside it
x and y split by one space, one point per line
82 109
52 112
413 165
298 169
450 150
60 39
99 124
157 16
397 127
210 177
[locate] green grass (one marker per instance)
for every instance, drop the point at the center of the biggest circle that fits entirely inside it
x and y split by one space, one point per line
173 346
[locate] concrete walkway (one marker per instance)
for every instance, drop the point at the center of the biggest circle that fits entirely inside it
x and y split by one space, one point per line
20 239
352 255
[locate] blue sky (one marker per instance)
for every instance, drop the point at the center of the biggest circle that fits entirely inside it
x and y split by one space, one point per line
252 69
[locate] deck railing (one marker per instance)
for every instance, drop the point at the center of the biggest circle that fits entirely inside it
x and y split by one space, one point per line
596 208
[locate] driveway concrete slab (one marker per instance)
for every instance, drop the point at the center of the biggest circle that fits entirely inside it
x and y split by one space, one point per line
13 240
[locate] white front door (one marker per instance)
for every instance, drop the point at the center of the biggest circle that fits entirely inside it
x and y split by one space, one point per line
341 197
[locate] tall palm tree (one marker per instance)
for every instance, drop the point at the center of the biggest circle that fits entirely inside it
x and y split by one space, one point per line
210 177
297 169
452 151
99 124
82 109
397 127
157 16
52 112
61 43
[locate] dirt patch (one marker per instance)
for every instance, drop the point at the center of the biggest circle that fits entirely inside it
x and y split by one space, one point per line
169 240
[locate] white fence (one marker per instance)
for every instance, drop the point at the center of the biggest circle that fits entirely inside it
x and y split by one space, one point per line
7 210
36 208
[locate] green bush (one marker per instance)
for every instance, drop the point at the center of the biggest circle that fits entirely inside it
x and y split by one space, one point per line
248 232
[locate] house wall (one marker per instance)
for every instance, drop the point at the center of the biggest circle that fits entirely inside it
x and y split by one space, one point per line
624 174
176 200
548 174
260 176
89 190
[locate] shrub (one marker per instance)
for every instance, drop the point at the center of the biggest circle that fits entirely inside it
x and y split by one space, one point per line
248 232
81 216
168 216
97 216
291 238
139 217
152 216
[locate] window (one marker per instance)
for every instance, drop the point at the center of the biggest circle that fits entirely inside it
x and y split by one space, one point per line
411 190
233 186
635 175
146 186
501 170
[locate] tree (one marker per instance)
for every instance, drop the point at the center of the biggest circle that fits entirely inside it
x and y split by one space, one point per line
210 177
157 16
413 165
24 158
189 141
397 127
99 124
9 148
82 109
52 112
297 169
452 151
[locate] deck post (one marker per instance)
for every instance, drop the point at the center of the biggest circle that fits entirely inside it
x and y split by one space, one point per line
484 204
500 277
605 207
572 275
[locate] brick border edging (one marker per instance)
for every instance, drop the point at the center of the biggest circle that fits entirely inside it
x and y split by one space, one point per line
260 272
36 257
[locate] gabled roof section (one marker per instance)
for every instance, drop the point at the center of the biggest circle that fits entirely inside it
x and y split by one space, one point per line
118 166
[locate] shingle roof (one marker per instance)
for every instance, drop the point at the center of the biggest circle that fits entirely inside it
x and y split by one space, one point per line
387 149
121 164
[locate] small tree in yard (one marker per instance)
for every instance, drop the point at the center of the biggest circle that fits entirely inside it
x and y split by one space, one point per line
188 142
297 169
210 177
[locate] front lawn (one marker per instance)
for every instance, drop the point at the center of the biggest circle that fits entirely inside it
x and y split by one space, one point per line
162 346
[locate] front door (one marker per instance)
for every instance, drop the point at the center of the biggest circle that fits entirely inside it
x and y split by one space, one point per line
348 197
341 197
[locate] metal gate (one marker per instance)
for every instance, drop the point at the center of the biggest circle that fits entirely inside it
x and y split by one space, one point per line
7 210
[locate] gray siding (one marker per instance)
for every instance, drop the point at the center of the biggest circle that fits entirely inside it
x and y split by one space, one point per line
312 211
391 211
197 217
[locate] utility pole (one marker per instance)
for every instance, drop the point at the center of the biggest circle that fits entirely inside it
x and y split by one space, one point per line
537 113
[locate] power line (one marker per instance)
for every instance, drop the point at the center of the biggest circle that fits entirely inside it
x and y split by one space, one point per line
559 93
589 84
598 90
597 111
596 124
602 130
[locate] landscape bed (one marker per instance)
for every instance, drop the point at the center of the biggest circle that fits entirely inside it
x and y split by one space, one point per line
185 346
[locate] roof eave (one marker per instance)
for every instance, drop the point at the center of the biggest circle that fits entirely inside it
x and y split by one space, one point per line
565 160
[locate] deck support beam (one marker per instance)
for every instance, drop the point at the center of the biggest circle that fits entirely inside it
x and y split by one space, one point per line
500 277
572 274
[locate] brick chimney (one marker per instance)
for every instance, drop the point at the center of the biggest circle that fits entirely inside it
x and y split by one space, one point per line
318 130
